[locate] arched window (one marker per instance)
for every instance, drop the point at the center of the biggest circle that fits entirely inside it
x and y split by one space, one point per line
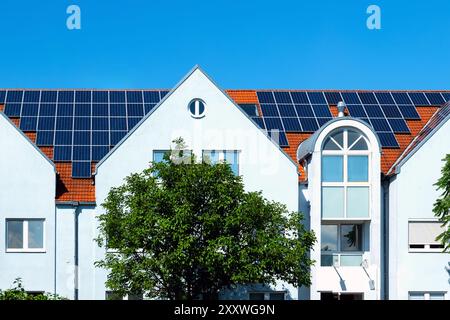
345 179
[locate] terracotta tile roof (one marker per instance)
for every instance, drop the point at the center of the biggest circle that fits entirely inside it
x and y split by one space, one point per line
70 189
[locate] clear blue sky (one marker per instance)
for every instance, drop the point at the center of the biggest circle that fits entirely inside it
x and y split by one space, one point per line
241 44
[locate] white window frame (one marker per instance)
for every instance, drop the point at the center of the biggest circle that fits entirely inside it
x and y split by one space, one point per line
426 248
25 231
339 251
345 153
221 153
427 294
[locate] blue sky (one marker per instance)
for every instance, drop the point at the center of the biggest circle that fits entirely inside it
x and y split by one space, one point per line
241 44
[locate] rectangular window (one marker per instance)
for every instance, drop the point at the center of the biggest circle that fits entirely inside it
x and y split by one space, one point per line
333 202
329 237
420 295
158 155
275 295
228 156
24 235
358 202
332 169
351 237
422 236
358 168
341 244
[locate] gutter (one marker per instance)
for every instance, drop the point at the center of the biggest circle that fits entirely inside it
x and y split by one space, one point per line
386 184
76 213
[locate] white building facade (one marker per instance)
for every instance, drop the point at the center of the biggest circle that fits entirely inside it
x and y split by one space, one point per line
375 231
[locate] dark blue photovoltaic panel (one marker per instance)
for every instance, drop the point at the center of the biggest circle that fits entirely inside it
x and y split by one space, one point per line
100 110
14 96
116 136
366 120
304 110
279 138
273 123
65 109
322 121
100 123
356 110
446 96
282 97
132 121
100 96
46 123
250 109
151 96
269 110
309 124
13 109
368 98
100 138
287 110
391 111
98 152
380 125
135 110
401 98
163 93
118 124
149 107
63 138
47 110
399 125
48 96
2 96
299 97
30 109
418 98
83 96
81 169
82 123
82 153
117 96
322 110
31 96
333 98
82 110
409 112
66 96
64 123
28 123
384 98
291 124
62 153
45 138
435 98
316 98
388 139
259 121
134 97
265 97
82 138
118 110
350 98
373 111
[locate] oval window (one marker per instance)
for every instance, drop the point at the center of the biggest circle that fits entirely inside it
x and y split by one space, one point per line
197 108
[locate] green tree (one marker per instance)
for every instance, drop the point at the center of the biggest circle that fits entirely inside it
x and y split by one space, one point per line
442 205
18 292
184 229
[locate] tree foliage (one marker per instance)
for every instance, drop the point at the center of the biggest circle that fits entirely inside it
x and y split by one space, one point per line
442 205
184 229
18 292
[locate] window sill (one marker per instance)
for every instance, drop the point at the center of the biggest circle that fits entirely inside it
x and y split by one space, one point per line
26 251
426 250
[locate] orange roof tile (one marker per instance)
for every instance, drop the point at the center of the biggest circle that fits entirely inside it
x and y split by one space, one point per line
70 189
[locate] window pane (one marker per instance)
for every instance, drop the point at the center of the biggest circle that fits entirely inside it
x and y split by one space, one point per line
358 202
329 237
351 260
158 156
15 234
351 239
328 260
277 296
339 138
332 169
35 234
330 145
360 145
211 157
231 157
358 168
416 296
424 232
332 202
436 296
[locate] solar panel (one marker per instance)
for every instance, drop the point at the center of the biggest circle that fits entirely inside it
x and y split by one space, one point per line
399 125
279 137
401 98
418 98
132 121
163 93
82 138
66 96
118 124
149 107
118 110
64 123
287 110
28 123
350 98
100 96
374 111
333 97
117 96
46 123
309 124
273 123
435 98
45 138
304 110
116 136
299 97
82 110
82 123
100 110
48 96
134 97
98 152
100 138
47 110
259 121
65 109
62 153
265 97
2 96
316 97
30 109
13 109
388 140
250 109
63 138
83 96
409 112
135 110
321 110
446 96
81 169
380 125
269 110
356 110
391 111
151 97
367 98
14 96
322 121
31 96
82 153
291 124
282 97
384 98
100 123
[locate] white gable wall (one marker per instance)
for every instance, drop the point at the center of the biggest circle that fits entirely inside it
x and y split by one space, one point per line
27 190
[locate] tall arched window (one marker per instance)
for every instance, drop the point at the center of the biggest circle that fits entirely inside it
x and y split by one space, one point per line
345 175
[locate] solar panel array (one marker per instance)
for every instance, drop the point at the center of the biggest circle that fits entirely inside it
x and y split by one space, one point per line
82 125
307 111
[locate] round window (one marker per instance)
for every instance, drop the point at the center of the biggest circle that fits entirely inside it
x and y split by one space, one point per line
197 108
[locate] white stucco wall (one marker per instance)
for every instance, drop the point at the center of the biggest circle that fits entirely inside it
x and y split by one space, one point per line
263 166
412 195
27 184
